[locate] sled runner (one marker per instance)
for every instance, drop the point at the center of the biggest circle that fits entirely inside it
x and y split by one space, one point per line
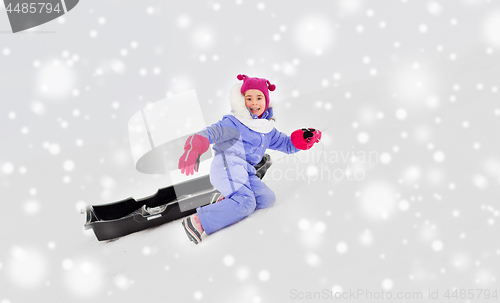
118 219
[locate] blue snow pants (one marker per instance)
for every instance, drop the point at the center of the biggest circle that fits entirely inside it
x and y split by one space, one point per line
244 192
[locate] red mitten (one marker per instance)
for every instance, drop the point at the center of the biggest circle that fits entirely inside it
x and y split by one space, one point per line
305 138
194 147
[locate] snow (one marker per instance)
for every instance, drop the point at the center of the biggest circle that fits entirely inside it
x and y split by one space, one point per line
489 28
480 181
314 34
410 82
387 284
342 247
228 260
55 80
38 108
434 8
423 28
312 259
404 205
401 114
7 168
437 245
32 207
366 238
68 165
438 156
378 200
363 137
264 275
183 21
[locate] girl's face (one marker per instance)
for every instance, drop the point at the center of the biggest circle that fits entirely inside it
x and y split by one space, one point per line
255 101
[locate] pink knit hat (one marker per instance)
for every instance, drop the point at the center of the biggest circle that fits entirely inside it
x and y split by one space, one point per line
256 83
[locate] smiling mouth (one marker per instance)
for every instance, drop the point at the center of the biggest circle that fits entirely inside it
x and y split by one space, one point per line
255 109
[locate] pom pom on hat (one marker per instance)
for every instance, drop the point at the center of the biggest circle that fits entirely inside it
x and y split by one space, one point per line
256 83
271 87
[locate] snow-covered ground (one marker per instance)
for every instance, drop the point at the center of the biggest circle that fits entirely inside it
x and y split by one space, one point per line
400 199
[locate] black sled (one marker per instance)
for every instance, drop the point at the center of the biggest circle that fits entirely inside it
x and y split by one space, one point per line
118 219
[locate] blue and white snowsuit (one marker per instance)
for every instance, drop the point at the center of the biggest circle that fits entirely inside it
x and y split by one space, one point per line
237 149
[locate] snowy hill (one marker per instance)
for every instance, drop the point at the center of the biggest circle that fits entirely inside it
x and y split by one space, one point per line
401 197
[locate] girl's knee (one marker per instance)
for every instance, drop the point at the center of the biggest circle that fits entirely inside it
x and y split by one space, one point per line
246 204
266 200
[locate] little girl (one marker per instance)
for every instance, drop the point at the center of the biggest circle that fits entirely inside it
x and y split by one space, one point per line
240 141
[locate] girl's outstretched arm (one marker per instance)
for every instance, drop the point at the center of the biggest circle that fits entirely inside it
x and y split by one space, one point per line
221 131
281 142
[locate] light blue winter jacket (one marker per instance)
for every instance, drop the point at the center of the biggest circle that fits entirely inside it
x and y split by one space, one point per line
230 136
